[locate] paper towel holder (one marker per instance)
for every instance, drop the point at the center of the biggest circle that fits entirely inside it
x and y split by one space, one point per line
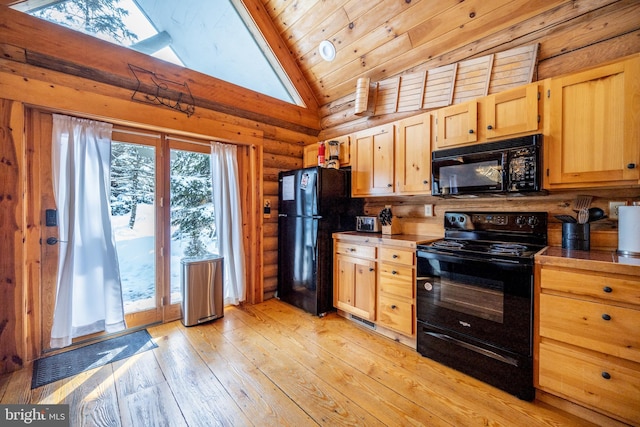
629 230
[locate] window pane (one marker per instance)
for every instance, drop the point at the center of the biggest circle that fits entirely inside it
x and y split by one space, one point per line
133 219
192 218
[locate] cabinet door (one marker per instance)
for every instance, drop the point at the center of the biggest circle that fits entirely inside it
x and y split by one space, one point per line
372 162
511 112
413 155
355 286
310 156
457 124
594 127
345 149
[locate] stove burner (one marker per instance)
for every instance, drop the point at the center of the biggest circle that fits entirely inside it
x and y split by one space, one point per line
448 244
507 249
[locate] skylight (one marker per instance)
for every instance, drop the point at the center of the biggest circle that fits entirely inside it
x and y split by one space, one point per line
205 36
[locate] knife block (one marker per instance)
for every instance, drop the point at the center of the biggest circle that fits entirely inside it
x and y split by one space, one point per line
393 228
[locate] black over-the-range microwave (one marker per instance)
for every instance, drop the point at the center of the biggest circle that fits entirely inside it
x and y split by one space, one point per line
510 166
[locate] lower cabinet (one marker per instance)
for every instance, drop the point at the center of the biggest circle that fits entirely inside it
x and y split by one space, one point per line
588 348
356 290
375 281
396 289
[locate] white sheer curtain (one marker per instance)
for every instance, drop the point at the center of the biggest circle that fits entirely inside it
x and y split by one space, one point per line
89 292
226 205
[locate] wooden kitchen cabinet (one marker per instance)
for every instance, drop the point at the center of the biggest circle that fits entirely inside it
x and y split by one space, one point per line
310 153
354 287
396 289
457 125
310 156
372 161
375 280
512 112
588 346
594 127
413 155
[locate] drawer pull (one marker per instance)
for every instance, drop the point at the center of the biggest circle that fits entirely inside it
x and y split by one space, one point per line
371 268
606 375
606 316
607 289
395 256
393 307
394 272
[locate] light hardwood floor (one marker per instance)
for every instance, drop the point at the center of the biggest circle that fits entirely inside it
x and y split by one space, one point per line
272 364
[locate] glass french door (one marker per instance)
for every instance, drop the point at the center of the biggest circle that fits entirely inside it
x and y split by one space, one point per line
161 212
192 225
135 217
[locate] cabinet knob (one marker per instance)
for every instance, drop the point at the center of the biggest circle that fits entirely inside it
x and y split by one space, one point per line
394 272
393 307
425 182
395 256
471 131
605 316
489 127
631 166
389 185
371 268
607 289
606 375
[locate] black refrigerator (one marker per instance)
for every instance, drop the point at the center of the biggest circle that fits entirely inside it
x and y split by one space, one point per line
313 203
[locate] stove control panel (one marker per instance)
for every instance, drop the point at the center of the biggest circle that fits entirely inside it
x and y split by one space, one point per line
521 222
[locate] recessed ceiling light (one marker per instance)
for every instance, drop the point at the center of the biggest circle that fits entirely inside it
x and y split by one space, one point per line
327 50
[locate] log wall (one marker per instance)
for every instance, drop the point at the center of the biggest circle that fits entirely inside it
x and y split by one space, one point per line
577 35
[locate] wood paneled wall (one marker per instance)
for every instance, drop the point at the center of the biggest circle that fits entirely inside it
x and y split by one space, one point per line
572 35
575 35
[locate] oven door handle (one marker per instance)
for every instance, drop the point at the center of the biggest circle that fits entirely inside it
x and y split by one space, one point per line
479 350
510 264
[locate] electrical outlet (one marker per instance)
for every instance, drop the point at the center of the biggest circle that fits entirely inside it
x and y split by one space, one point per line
428 210
613 209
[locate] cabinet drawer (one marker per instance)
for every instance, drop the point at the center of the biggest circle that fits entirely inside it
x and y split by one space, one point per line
600 327
396 280
399 256
353 249
396 314
607 287
580 376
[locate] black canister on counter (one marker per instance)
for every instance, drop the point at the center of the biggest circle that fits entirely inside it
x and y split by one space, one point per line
575 236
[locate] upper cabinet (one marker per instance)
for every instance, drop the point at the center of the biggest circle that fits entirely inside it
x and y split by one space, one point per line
372 161
413 155
511 112
457 124
594 127
514 112
310 155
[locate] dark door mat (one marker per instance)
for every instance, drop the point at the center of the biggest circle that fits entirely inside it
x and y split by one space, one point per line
72 362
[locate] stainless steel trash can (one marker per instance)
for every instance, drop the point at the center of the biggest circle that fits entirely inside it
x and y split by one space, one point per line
201 280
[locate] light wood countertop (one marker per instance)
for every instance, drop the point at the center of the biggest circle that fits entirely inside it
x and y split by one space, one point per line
604 261
405 240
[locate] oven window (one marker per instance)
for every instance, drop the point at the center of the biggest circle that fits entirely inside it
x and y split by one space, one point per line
484 300
483 174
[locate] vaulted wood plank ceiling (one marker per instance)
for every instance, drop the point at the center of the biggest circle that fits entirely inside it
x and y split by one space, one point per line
383 38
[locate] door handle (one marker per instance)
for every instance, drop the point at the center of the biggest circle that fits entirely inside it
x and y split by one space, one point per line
54 240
